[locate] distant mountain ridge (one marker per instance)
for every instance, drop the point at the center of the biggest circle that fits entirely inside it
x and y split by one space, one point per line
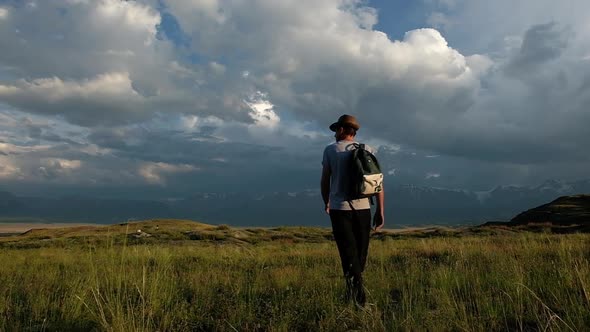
405 204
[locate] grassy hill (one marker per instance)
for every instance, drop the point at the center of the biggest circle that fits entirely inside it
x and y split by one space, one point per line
566 211
169 231
567 214
173 231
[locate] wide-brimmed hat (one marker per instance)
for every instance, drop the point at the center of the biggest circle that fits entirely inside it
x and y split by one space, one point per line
345 121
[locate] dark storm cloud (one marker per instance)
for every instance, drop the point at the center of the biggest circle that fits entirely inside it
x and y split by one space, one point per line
541 43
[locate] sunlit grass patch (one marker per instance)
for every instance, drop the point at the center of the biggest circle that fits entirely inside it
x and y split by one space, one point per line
515 281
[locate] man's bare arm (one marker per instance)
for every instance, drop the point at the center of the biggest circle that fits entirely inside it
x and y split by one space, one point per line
325 187
379 218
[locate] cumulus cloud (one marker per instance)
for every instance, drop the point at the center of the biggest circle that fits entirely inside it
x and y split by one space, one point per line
106 99
57 168
262 111
63 163
323 58
319 61
155 173
3 13
8 170
42 162
261 80
113 47
8 149
77 39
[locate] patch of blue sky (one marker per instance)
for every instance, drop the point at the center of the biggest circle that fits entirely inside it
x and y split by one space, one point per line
170 29
13 3
396 17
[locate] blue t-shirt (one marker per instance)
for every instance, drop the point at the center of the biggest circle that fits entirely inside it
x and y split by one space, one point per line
337 157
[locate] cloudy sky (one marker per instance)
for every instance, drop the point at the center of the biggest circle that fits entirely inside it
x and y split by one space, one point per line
161 98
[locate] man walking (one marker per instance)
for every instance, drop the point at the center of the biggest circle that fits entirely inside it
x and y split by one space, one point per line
351 219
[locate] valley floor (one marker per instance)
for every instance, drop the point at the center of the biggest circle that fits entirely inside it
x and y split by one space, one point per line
513 281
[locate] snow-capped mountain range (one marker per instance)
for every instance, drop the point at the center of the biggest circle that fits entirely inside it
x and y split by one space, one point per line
405 205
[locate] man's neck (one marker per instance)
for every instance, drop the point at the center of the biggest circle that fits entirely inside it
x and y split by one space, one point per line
346 138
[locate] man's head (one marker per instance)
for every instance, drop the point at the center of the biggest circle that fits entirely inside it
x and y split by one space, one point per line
346 126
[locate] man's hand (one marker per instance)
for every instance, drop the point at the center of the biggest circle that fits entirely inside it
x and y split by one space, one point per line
378 220
327 209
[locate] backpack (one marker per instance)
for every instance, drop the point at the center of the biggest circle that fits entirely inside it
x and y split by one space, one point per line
367 179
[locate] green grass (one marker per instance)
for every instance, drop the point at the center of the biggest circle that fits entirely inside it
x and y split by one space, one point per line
512 281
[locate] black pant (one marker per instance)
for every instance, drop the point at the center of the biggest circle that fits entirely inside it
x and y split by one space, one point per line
351 231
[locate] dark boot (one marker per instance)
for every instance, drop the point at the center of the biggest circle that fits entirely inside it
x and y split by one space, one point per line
349 295
360 298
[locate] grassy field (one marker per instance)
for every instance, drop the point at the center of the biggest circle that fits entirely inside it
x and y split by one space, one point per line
194 277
